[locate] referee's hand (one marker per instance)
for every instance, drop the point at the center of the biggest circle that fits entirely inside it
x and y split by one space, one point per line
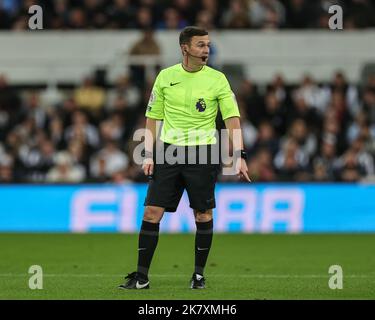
148 167
241 170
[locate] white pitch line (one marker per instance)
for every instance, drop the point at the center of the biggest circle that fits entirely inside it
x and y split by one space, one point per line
270 276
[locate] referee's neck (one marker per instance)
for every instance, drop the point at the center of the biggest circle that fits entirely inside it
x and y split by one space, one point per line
191 68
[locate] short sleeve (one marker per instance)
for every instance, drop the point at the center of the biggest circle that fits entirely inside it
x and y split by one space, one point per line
155 106
227 100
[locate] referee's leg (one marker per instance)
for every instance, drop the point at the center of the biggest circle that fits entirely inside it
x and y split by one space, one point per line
148 238
203 238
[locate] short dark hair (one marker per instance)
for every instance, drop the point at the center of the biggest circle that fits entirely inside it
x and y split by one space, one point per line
188 32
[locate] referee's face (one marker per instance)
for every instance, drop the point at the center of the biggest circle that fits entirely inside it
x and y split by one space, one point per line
199 49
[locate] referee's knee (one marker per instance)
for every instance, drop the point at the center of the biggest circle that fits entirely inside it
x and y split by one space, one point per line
204 216
153 214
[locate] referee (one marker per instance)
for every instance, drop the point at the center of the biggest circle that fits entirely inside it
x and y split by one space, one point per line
186 97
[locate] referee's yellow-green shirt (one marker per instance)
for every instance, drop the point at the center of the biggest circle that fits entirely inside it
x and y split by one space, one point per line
188 103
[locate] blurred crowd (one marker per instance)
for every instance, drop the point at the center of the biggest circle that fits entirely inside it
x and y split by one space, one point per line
304 132
176 14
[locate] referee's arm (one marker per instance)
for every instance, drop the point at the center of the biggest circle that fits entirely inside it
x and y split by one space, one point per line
154 112
235 135
150 137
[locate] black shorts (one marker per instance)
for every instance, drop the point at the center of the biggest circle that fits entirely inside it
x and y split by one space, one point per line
170 180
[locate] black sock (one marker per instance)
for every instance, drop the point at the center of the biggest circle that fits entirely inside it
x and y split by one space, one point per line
148 239
203 240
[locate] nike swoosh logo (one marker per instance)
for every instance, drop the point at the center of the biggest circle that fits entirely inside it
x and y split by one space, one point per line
200 249
139 249
173 84
141 286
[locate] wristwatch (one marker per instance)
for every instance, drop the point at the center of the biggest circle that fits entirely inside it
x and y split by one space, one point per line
241 153
147 154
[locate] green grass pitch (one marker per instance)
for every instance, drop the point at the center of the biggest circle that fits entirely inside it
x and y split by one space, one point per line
240 266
